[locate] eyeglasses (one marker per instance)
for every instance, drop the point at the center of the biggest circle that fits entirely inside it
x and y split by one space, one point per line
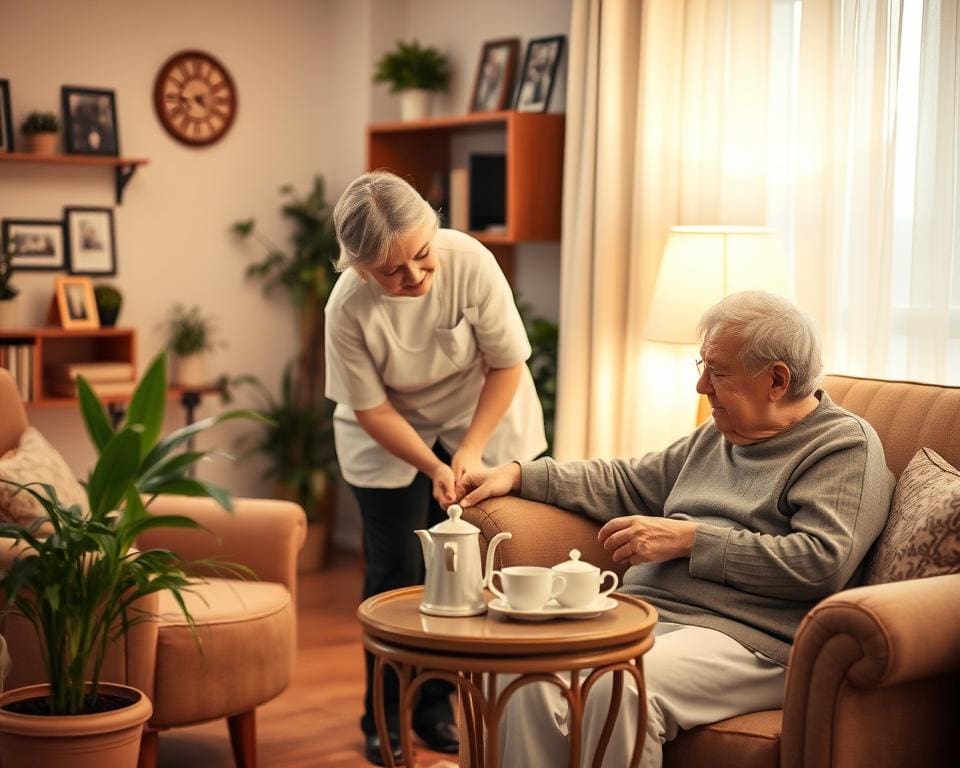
712 375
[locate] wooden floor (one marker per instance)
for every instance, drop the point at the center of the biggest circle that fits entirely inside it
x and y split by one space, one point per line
315 723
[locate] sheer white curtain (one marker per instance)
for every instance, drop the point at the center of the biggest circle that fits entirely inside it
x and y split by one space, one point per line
667 123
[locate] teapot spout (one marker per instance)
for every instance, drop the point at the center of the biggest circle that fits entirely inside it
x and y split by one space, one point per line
426 544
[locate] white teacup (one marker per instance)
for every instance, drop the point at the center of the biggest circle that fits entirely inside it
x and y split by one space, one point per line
527 587
584 582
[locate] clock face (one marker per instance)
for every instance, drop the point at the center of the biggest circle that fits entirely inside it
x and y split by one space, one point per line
195 98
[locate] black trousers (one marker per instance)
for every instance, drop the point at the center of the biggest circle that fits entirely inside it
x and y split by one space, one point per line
392 559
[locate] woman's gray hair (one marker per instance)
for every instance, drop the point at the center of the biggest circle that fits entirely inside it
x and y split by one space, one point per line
771 329
374 211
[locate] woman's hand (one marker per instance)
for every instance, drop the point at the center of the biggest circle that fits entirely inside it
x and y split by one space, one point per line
444 486
465 460
642 539
482 485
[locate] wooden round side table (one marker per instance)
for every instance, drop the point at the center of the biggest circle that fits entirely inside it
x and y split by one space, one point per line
470 652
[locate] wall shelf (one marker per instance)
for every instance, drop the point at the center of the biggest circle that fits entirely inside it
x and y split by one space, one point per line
124 167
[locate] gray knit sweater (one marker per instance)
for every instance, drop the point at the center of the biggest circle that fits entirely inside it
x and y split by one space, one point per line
781 524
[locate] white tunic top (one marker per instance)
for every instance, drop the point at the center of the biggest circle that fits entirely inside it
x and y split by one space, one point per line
428 355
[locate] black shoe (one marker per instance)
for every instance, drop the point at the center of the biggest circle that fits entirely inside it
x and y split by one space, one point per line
372 749
440 737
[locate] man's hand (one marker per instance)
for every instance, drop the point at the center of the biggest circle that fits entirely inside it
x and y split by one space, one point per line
641 539
444 486
490 482
466 460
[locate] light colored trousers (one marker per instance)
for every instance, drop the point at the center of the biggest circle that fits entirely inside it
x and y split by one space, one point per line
693 676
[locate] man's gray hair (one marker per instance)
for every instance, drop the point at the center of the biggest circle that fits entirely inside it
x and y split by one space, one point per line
771 328
374 211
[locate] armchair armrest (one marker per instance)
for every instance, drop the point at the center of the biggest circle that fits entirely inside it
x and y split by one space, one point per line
263 534
542 533
874 670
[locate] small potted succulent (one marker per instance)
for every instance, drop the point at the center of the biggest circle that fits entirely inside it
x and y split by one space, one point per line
41 130
415 72
9 304
190 336
109 300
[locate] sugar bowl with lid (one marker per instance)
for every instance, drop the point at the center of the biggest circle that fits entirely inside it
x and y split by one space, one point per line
583 582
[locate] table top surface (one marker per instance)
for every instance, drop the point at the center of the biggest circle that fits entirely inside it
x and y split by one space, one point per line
394 616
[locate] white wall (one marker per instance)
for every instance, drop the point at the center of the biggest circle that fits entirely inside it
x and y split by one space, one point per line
302 70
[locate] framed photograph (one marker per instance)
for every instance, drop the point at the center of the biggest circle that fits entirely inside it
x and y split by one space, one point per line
91 246
6 122
75 303
90 121
493 85
34 244
538 73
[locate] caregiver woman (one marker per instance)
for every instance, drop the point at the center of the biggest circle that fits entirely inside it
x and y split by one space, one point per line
425 359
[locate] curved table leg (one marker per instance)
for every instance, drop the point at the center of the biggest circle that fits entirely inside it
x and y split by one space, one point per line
379 714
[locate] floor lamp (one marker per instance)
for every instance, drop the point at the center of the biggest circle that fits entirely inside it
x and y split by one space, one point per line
700 266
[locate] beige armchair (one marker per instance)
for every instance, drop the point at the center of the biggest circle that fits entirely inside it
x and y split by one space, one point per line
874 676
247 628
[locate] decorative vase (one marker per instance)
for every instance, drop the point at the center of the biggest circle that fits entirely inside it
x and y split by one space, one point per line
108 316
10 313
192 370
415 104
73 741
42 143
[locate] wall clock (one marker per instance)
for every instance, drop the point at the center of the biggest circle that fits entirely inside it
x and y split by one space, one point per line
195 98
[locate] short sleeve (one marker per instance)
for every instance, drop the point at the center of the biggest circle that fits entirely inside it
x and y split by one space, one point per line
351 376
498 327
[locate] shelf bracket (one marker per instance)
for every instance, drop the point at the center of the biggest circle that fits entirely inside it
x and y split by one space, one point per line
123 175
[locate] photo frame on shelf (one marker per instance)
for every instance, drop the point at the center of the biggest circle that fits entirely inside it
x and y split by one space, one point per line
539 73
90 121
34 244
493 85
75 303
91 242
6 121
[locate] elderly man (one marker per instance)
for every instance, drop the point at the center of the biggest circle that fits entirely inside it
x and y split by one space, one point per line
734 532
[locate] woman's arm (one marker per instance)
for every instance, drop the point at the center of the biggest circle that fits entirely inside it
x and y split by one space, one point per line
499 387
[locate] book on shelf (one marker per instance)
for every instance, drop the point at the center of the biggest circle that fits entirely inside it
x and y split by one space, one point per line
92 372
459 199
65 388
17 358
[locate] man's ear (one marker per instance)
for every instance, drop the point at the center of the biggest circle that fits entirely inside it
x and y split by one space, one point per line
779 380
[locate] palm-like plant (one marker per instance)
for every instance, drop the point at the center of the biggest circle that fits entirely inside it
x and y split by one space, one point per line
80 579
411 65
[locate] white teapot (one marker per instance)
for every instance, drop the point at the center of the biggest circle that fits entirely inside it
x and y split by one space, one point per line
451 552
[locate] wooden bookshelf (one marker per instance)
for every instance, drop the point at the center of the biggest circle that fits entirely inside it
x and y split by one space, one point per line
123 167
419 150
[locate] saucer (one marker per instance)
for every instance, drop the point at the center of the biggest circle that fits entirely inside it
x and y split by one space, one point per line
553 610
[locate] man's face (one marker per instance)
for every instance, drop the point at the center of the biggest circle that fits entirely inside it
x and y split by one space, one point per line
408 270
742 405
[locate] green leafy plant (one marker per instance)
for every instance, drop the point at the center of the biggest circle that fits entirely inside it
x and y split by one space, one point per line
40 122
7 291
411 66
189 331
296 440
108 297
79 581
543 335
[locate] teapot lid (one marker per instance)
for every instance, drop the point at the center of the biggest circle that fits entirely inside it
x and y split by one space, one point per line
453 523
575 564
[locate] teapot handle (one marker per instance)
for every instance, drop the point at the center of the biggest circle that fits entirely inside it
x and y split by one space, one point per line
488 571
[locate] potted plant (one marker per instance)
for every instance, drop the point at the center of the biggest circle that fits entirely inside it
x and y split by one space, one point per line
305 273
109 300
79 579
415 73
543 335
190 336
41 130
9 304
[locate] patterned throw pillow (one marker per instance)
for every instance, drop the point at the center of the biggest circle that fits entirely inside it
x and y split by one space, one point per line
922 537
35 461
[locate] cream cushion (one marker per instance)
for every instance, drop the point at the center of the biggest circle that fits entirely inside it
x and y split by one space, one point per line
34 460
922 535
245 654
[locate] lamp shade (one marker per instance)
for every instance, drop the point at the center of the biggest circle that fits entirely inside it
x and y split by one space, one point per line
701 265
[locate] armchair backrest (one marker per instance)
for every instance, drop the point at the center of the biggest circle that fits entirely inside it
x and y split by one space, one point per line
13 417
907 416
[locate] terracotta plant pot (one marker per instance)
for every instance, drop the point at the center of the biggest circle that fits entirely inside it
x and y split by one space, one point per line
73 741
42 143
